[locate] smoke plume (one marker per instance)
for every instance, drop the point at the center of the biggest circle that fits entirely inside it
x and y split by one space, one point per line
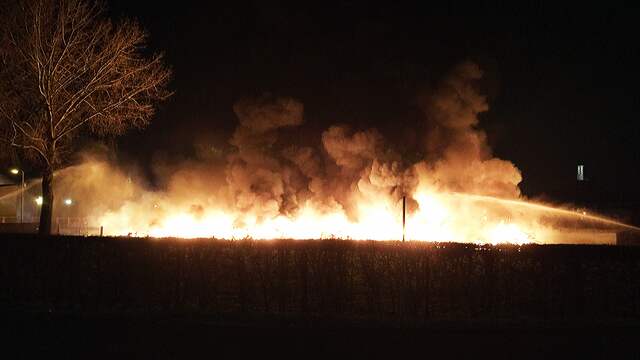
459 158
349 184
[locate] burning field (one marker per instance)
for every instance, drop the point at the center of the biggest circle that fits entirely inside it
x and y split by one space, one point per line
347 183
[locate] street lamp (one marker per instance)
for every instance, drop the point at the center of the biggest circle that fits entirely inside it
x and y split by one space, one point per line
16 171
68 202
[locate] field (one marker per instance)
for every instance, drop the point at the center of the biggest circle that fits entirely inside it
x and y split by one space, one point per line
321 284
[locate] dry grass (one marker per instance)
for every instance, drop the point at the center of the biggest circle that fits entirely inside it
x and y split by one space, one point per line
358 280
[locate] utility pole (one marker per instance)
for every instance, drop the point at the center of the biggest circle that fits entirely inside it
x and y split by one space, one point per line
404 211
22 198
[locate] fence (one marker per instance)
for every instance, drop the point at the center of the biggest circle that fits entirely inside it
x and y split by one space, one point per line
82 226
79 226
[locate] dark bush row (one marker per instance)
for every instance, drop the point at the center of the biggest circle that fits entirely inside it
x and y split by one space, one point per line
367 280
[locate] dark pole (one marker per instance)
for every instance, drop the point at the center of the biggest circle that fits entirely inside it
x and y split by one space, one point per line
404 203
22 198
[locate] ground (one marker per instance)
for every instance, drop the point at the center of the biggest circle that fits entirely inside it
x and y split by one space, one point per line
110 297
180 337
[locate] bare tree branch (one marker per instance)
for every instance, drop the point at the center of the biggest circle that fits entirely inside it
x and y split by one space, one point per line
64 67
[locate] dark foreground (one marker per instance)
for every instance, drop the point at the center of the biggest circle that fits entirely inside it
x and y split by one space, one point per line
185 337
175 298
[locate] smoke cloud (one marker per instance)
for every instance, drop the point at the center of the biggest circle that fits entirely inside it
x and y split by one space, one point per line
259 181
351 182
459 158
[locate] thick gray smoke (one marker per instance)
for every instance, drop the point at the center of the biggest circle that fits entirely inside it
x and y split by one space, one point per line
259 181
364 168
267 182
458 157
265 175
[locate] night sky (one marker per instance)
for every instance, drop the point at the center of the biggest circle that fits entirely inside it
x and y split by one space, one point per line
562 81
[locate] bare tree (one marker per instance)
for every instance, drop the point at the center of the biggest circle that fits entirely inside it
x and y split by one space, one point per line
67 68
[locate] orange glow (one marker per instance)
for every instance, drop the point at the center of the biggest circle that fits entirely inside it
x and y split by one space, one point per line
349 184
439 217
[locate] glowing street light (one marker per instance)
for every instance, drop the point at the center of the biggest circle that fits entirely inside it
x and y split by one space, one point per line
68 202
39 200
16 171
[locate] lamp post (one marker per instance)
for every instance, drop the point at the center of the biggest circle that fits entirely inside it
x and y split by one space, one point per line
16 172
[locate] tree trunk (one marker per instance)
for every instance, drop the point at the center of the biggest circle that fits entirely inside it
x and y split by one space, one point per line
46 209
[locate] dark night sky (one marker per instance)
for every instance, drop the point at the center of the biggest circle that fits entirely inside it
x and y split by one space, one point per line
562 81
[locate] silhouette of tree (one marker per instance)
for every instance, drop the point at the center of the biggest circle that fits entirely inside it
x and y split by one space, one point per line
68 70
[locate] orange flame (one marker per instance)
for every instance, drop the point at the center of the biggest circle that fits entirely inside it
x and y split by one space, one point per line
439 217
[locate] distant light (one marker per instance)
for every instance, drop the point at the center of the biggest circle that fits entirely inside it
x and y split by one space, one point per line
39 200
580 172
14 171
68 202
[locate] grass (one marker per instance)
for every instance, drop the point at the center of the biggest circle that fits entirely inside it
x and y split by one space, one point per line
356 281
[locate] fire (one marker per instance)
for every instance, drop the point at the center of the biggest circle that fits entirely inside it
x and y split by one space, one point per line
507 233
348 185
376 221
438 217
